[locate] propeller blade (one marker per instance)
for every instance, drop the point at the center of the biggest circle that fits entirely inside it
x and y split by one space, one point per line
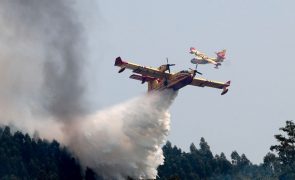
168 65
195 71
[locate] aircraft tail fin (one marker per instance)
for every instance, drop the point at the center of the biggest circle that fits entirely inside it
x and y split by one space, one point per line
119 62
192 50
221 55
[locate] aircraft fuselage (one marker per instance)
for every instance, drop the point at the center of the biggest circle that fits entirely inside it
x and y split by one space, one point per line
175 82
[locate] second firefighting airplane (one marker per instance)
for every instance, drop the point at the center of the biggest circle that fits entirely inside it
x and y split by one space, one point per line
160 79
201 58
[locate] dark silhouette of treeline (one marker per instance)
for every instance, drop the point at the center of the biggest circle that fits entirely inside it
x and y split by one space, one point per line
26 158
200 163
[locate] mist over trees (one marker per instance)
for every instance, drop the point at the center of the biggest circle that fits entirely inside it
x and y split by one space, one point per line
24 157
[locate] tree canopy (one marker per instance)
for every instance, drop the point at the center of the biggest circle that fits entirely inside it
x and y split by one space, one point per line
285 151
23 157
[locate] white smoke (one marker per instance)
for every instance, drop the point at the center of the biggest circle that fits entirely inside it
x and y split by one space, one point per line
42 89
127 138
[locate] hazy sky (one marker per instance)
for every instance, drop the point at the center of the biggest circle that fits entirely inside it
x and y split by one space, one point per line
260 42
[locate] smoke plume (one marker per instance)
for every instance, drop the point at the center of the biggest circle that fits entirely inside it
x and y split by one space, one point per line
42 89
42 57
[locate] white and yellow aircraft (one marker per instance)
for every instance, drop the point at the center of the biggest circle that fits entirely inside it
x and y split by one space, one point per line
158 79
201 58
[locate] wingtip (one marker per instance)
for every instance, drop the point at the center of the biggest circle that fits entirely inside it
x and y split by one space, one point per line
224 91
225 88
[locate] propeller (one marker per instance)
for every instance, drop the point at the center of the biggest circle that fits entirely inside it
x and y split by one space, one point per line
168 65
195 71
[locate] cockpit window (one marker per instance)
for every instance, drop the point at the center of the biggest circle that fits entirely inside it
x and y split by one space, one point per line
184 71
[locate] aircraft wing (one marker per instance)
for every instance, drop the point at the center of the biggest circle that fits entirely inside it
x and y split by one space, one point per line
202 56
214 84
210 60
145 71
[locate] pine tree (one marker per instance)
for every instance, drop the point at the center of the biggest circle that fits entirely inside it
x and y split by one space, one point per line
286 150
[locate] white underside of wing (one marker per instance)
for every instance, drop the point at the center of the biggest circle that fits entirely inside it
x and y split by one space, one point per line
202 61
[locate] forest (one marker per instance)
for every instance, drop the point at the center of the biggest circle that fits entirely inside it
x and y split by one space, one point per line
24 157
200 163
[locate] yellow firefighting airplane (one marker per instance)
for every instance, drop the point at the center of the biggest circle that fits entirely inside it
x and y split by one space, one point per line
159 79
201 58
